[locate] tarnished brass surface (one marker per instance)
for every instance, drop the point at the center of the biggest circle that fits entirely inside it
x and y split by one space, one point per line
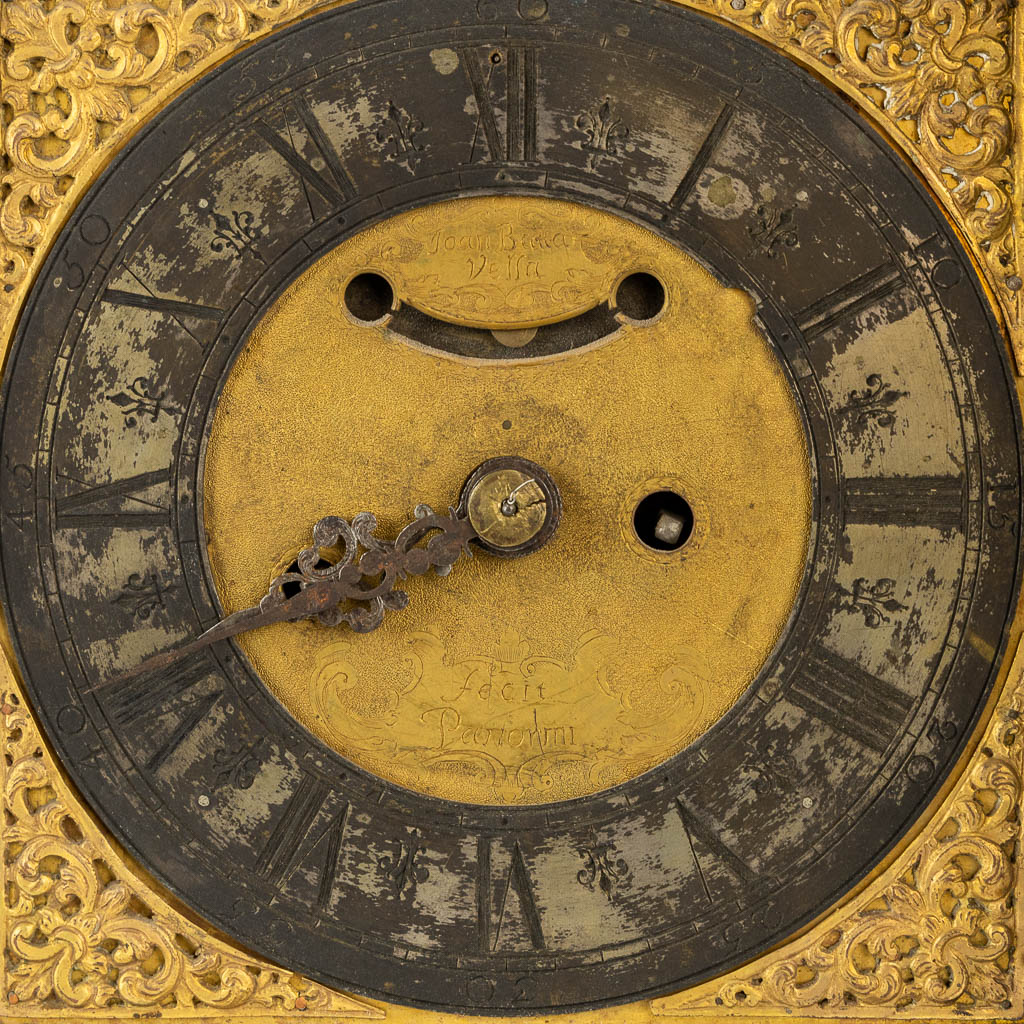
937 76
83 935
75 88
588 662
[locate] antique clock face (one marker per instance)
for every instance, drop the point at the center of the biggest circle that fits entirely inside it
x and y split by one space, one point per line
688 301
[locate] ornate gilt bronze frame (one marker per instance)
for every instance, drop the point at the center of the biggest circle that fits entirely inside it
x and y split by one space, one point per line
932 935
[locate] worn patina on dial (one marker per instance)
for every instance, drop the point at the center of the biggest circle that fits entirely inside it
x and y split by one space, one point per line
879 326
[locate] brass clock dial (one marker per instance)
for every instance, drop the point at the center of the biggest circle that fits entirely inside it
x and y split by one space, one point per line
280 303
613 670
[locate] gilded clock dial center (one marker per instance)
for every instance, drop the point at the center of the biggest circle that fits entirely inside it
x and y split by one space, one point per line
609 649
350 576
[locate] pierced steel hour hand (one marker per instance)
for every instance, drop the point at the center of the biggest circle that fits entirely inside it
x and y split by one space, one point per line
508 506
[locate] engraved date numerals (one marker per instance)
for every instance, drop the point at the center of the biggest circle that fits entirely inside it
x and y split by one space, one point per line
1004 508
18 509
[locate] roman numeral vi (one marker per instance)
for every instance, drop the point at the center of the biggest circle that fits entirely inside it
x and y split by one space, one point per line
518 881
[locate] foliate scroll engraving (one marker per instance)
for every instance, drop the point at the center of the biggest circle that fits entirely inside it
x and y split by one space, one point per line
139 400
770 767
240 765
603 870
508 724
875 601
402 868
399 134
874 403
237 234
143 595
774 230
934 934
81 932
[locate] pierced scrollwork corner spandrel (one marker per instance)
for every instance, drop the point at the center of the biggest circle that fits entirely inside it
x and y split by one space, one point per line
82 933
934 935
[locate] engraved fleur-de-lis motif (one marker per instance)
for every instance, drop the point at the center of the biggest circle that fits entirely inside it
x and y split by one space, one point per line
398 135
774 229
603 869
237 233
875 402
143 594
240 765
771 765
872 600
139 399
401 868
604 135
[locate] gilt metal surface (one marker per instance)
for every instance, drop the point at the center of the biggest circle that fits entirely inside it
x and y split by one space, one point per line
521 683
927 278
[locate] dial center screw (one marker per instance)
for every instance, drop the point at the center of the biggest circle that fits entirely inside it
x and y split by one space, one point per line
513 504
